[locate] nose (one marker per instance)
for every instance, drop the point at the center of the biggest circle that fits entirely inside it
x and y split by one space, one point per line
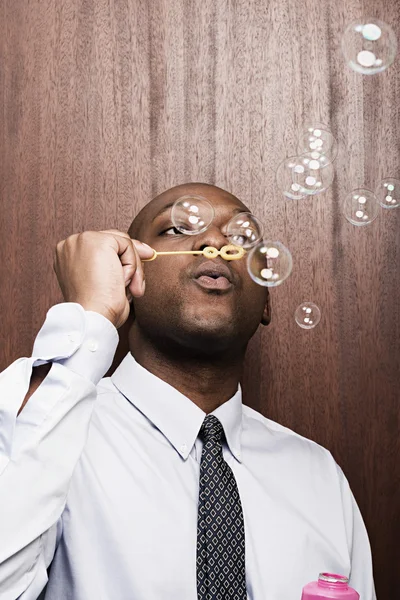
213 236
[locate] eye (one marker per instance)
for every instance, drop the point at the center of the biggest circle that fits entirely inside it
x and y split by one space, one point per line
171 231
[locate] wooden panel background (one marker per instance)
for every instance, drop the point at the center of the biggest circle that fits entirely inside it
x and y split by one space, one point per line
105 103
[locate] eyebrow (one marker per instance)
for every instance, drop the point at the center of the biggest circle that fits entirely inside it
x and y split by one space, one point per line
163 210
170 204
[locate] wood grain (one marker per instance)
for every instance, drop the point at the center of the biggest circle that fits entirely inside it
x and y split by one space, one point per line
106 103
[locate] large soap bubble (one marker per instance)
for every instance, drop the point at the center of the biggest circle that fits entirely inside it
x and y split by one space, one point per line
269 263
369 46
305 175
361 207
192 214
244 230
388 192
307 315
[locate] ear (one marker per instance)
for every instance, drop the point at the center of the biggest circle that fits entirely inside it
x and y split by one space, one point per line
266 317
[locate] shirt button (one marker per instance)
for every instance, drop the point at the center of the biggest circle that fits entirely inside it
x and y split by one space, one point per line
92 345
73 336
183 448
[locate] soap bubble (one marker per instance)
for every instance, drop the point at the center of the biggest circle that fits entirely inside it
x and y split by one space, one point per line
361 207
244 230
318 138
369 46
192 214
305 175
285 178
307 315
269 263
388 192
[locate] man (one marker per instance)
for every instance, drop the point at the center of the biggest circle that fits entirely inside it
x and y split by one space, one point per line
158 483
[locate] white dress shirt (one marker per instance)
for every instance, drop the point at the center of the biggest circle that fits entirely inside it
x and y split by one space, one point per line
101 483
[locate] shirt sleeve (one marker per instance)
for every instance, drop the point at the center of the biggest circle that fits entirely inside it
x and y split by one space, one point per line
361 573
40 447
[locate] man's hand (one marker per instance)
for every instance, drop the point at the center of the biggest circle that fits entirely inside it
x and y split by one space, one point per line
94 268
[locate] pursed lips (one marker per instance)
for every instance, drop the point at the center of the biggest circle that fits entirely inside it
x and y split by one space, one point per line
213 276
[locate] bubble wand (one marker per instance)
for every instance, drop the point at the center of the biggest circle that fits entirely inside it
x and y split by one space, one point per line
229 252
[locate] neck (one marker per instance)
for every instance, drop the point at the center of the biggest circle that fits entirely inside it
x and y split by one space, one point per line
208 381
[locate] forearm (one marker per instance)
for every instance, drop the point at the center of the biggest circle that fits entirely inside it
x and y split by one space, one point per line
45 413
34 484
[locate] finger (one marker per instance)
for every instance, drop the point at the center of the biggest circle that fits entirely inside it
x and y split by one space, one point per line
136 287
129 256
125 249
143 249
116 232
129 296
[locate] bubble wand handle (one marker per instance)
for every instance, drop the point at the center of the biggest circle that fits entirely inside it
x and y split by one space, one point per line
229 252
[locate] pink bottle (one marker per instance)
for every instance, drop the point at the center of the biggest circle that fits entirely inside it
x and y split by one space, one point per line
329 587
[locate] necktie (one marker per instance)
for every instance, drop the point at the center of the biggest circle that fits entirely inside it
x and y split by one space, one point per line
220 527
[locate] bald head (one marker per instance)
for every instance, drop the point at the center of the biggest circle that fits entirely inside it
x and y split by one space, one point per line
167 198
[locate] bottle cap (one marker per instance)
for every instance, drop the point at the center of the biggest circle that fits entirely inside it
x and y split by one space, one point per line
333 578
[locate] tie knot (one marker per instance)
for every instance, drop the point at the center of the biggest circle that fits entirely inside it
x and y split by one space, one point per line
211 429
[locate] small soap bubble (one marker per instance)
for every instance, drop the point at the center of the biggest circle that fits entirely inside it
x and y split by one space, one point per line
388 192
192 214
244 230
360 207
307 315
269 263
369 46
320 139
306 175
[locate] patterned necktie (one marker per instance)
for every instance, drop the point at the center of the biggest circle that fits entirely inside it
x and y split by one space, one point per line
220 527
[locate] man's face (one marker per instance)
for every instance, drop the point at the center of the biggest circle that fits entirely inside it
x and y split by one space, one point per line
178 304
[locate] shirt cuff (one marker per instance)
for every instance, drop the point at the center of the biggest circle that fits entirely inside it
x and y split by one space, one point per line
82 341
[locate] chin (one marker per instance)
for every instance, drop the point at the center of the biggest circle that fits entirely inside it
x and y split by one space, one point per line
209 335
209 319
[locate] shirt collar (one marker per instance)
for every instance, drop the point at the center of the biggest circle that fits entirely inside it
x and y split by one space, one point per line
175 415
